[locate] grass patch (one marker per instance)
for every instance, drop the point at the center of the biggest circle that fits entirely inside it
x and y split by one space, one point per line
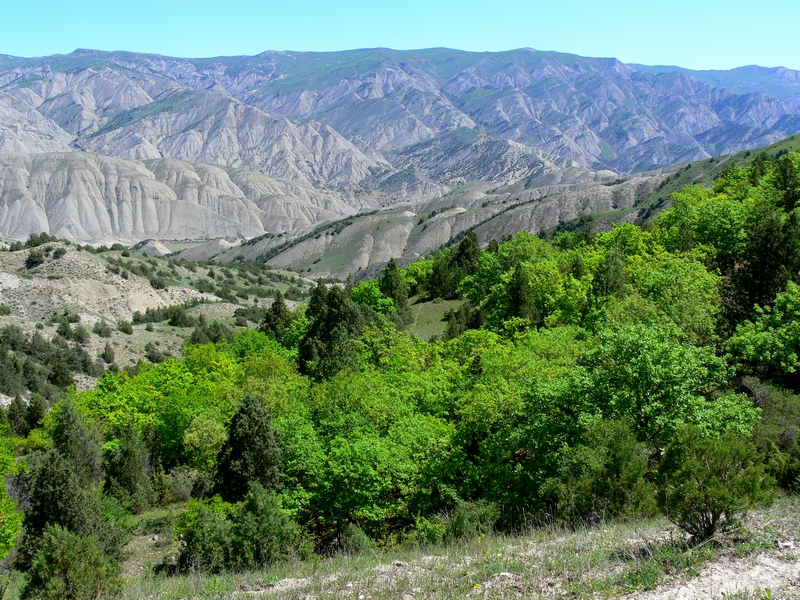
604 561
429 317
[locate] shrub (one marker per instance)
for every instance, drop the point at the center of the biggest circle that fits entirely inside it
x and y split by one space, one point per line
471 519
180 482
604 477
5 310
59 253
108 354
70 566
706 484
353 540
252 534
18 416
35 258
65 330
102 328
125 327
58 496
37 408
80 335
78 442
262 534
205 532
153 354
430 530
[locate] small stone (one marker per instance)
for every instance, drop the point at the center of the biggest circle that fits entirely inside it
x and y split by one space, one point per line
398 564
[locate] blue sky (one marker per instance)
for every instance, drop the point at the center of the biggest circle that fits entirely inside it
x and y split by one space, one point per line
699 34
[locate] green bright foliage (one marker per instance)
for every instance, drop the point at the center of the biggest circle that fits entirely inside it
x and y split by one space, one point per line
571 377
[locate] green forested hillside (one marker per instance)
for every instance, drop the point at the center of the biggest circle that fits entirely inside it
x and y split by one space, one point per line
592 377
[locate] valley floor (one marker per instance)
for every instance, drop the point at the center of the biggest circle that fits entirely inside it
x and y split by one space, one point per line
646 560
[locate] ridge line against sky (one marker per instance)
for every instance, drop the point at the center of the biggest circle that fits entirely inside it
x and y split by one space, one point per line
710 34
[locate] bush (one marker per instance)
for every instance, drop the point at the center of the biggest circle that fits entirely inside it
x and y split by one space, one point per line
706 484
80 335
354 540
70 566
430 530
262 534
180 481
252 534
108 354
78 442
604 477
37 408
205 532
125 327
59 253
153 354
18 416
58 496
776 434
471 519
65 330
5 310
102 328
35 258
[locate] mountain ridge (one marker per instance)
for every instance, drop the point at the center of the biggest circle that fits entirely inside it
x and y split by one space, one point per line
348 113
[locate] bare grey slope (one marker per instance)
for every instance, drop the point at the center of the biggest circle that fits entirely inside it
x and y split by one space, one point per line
89 197
356 119
123 147
367 243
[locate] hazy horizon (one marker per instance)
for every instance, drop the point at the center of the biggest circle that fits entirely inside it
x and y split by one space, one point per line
714 35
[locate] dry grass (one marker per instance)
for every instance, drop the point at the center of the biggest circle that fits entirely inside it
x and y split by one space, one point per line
607 561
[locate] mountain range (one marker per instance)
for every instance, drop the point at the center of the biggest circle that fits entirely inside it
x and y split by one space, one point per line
99 146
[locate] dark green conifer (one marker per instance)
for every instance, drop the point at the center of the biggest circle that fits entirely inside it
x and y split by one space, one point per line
58 496
78 442
276 319
335 321
108 354
17 416
251 454
61 376
128 472
37 408
392 285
